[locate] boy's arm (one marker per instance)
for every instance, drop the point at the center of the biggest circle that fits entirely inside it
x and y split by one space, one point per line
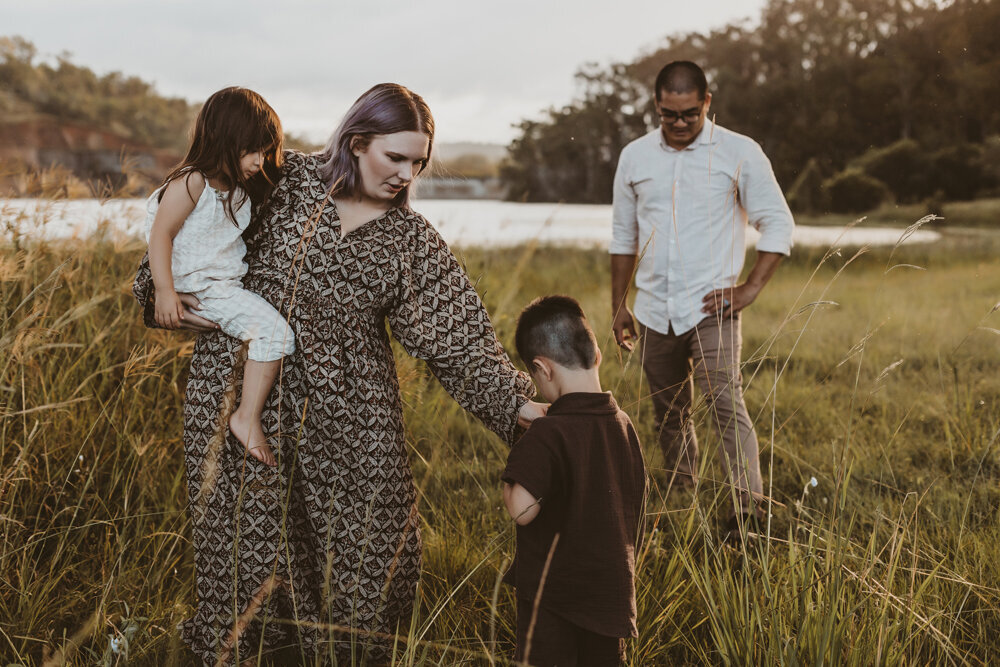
521 505
179 199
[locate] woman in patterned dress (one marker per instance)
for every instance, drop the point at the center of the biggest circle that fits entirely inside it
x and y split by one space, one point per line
329 539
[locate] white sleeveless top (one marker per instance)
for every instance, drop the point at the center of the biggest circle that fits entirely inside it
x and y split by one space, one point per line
209 247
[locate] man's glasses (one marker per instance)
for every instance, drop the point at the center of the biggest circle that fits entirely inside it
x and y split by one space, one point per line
689 116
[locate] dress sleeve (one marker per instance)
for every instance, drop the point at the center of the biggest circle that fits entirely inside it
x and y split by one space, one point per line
142 288
439 317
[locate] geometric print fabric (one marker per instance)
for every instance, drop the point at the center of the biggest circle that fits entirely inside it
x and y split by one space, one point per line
329 539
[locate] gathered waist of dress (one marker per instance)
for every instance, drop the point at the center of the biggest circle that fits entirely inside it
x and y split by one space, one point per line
323 309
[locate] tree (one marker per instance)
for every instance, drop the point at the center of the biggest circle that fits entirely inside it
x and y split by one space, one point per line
823 80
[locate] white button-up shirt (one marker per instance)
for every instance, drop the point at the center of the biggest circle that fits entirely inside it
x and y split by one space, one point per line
684 214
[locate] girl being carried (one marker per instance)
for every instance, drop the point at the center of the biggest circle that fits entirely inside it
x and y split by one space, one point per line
194 227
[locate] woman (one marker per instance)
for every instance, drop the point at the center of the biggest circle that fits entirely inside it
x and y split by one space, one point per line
330 538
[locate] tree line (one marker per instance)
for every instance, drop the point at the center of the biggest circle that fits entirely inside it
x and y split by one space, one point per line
123 104
853 101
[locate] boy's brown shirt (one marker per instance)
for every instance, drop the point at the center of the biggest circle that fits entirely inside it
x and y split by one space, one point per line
584 463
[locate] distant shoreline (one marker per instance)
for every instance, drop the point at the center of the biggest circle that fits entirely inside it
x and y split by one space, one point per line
479 222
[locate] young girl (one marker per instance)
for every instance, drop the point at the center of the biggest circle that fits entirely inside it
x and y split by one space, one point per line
194 226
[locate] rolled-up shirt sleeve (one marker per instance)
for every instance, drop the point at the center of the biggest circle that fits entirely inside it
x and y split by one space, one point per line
624 223
765 204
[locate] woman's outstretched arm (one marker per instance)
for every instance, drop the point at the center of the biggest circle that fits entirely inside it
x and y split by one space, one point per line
439 317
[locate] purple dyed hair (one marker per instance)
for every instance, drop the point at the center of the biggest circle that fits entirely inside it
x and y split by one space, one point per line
386 108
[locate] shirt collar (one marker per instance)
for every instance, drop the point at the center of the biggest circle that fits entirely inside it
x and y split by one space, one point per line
584 403
707 136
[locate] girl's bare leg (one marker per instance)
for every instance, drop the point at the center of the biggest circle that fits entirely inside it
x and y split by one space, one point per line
258 378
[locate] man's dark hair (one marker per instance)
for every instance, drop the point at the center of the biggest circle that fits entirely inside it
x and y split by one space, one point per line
555 327
681 76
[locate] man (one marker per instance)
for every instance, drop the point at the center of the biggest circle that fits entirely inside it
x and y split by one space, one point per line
683 195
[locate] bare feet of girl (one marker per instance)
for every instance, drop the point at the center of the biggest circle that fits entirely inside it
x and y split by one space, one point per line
251 435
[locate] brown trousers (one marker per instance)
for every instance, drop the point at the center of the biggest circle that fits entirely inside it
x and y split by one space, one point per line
558 643
710 353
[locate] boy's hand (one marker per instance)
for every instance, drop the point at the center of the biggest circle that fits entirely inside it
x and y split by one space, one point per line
531 411
169 310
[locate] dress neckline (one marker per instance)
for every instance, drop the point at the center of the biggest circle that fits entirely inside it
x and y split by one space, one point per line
340 226
221 195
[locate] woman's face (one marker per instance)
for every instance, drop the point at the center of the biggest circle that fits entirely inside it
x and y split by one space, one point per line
389 163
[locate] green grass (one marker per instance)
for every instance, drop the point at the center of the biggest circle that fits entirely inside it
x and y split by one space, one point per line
877 378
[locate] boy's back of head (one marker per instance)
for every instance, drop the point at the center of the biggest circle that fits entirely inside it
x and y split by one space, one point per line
556 328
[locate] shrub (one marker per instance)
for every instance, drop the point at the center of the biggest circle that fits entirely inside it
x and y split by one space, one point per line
934 205
903 166
806 194
853 191
958 171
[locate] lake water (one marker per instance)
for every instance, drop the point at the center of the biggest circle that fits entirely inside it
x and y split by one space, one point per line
485 223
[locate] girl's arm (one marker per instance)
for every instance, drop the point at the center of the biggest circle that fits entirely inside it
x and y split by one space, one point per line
179 199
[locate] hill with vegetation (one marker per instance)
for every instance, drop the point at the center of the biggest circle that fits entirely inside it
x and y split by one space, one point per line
124 105
67 131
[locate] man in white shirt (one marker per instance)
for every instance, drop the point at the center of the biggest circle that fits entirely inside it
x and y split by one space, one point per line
683 195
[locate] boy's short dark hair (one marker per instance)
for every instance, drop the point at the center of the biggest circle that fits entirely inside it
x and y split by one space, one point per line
555 327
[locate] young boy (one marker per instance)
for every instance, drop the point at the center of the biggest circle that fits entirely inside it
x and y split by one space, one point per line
576 485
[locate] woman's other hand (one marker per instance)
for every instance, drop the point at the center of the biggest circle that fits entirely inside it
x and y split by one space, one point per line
531 411
192 320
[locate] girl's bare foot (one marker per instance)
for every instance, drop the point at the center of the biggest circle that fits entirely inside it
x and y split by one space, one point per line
251 435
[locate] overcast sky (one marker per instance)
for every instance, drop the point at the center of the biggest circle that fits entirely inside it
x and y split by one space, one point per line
481 66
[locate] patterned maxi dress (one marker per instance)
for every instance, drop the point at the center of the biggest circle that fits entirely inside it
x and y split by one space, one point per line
329 538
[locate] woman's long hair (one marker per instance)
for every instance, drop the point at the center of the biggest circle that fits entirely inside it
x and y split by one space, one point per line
232 122
384 109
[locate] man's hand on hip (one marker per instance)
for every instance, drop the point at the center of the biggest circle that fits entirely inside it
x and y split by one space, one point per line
735 299
729 300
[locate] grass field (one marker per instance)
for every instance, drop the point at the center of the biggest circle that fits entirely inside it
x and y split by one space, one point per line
875 373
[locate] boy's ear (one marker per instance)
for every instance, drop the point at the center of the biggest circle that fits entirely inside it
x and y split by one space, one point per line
598 358
541 366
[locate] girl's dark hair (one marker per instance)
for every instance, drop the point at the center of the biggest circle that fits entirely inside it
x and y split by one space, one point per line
384 109
555 327
232 122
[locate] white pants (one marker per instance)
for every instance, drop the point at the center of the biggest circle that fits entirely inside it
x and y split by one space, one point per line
248 317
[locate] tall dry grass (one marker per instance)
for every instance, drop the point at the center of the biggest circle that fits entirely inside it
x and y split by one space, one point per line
873 372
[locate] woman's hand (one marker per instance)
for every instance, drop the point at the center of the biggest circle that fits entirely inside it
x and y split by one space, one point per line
192 320
187 318
531 411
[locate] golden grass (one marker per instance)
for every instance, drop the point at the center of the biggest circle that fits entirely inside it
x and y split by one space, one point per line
875 377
